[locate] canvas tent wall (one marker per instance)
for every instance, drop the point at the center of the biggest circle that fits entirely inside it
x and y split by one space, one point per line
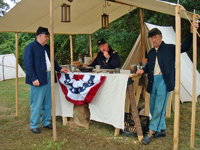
8 67
186 64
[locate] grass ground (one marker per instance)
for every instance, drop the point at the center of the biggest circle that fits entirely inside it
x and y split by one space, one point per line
15 132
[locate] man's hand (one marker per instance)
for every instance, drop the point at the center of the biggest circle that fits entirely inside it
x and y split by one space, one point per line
196 25
64 70
106 54
85 65
36 83
140 71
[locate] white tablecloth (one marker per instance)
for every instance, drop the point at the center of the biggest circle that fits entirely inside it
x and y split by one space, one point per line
107 105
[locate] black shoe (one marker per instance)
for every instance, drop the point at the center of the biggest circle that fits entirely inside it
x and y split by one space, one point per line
129 134
49 126
147 139
36 130
162 133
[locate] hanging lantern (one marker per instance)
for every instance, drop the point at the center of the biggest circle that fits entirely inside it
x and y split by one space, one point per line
105 21
65 13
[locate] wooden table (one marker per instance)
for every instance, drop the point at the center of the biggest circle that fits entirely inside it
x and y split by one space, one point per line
127 99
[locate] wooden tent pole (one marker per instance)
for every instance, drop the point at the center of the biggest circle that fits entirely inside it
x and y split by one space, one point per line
71 48
141 31
52 71
90 45
16 80
194 85
177 78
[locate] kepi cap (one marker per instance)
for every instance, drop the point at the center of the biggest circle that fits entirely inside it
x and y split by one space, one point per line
101 41
153 32
42 30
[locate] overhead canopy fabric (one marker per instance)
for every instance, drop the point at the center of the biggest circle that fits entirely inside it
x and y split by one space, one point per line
158 6
27 15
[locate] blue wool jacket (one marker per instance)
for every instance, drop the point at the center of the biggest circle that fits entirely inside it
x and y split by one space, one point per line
113 62
35 63
166 61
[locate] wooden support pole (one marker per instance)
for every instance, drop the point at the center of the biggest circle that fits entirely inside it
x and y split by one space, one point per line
138 93
116 132
52 71
64 121
141 31
71 48
16 80
169 106
134 111
177 78
127 103
147 104
90 45
194 85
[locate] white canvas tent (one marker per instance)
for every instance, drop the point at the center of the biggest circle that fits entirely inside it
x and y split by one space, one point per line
186 64
8 67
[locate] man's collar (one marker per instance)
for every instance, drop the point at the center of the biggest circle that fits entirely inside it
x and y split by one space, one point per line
162 43
39 43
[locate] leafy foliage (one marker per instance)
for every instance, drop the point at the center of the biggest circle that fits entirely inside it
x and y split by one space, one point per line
3 8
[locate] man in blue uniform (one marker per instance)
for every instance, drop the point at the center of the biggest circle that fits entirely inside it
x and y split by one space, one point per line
161 70
38 75
106 57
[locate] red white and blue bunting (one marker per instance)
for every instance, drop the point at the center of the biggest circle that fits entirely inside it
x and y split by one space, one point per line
80 89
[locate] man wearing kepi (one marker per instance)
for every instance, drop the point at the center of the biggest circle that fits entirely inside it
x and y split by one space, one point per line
38 75
161 70
106 57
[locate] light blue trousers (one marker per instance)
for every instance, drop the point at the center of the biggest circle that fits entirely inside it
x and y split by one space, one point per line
40 100
158 102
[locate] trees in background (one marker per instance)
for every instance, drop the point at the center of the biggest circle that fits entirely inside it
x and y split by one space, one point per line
121 35
3 8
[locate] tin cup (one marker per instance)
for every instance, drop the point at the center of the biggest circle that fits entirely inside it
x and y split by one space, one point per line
73 68
98 67
104 71
117 70
133 68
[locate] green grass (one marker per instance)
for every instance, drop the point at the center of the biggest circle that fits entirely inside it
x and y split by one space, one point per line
15 130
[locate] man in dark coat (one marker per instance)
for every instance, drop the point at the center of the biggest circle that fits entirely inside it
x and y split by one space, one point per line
107 58
38 75
161 70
